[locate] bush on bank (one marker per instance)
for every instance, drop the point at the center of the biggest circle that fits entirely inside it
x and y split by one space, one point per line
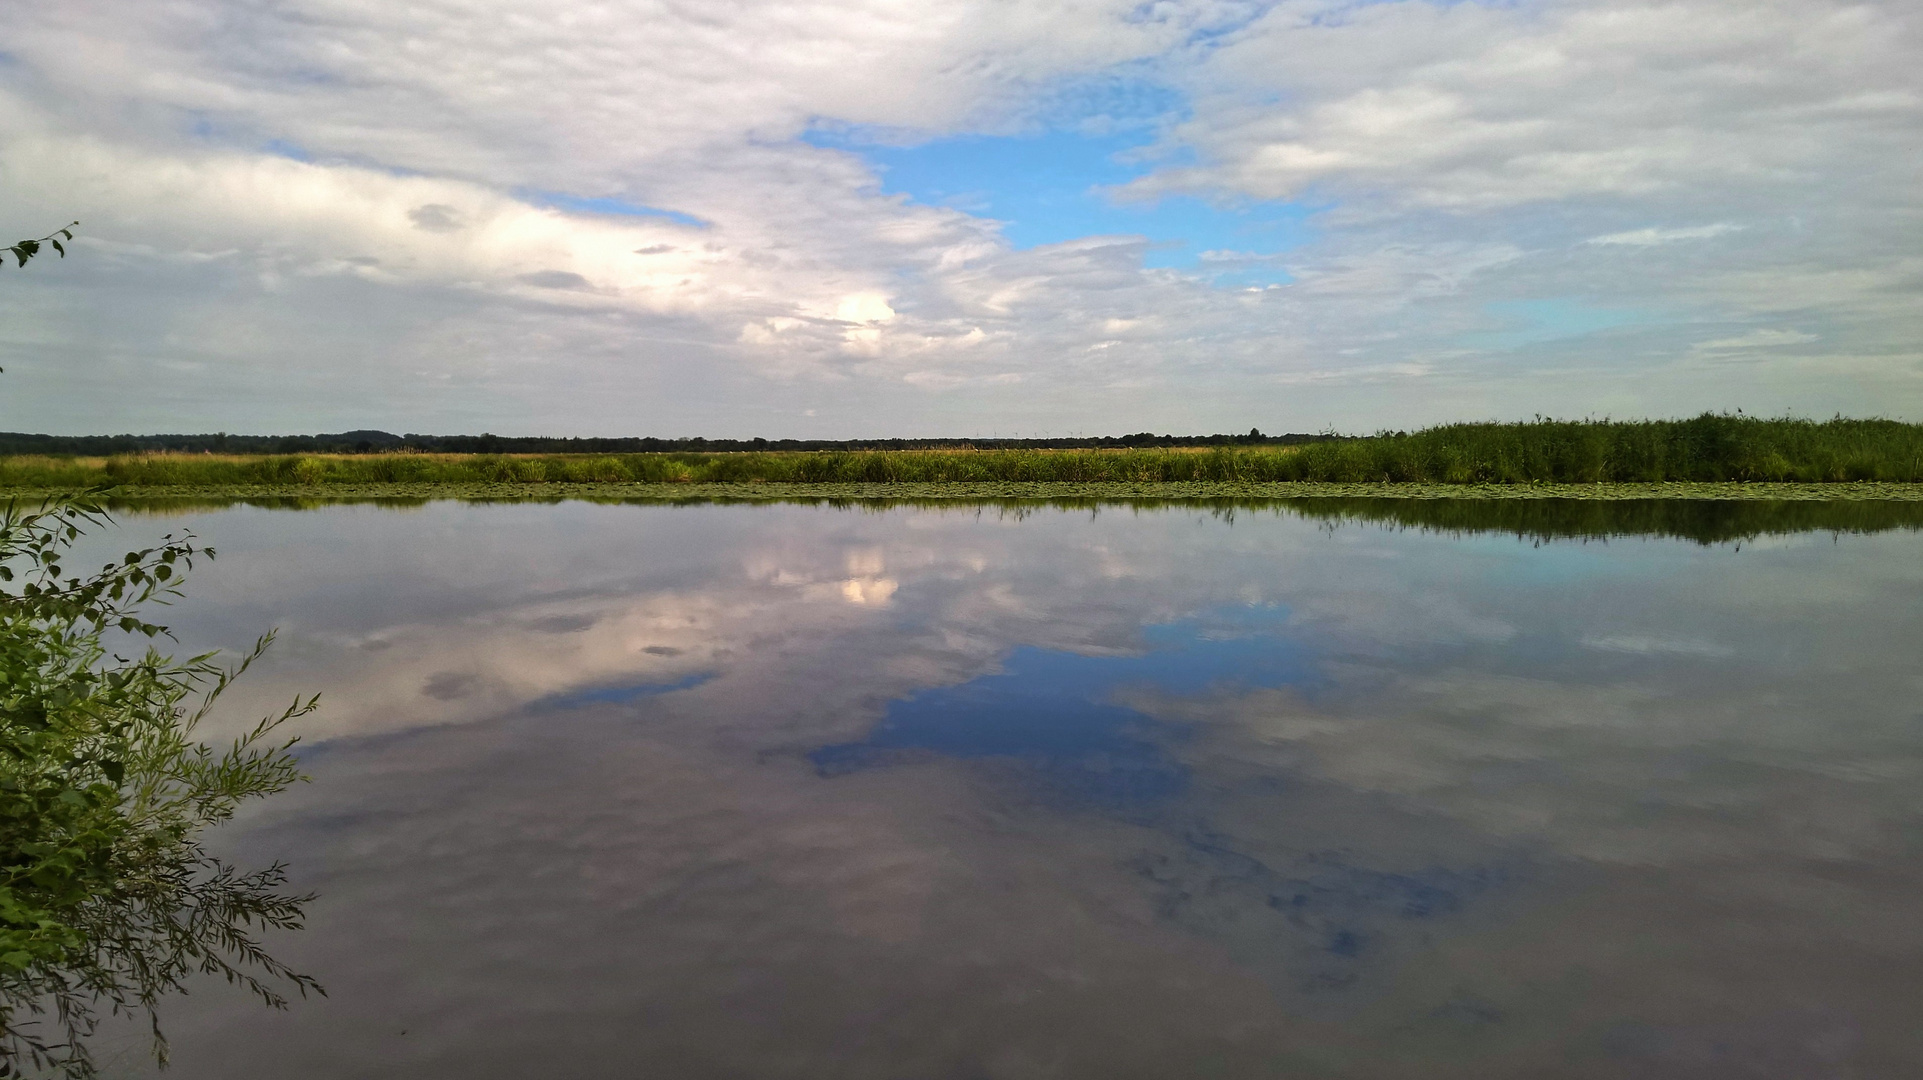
109 899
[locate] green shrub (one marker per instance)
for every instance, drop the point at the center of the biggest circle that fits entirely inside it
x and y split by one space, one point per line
108 897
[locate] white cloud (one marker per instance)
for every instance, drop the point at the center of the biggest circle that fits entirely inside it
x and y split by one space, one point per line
1655 237
1757 339
394 209
588 99
1650 645
1471 105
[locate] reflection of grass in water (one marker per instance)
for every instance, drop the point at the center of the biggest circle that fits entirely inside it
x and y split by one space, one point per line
1703 521
1707 448
1706 513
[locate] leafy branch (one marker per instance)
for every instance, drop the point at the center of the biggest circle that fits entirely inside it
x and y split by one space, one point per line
27 249
109 898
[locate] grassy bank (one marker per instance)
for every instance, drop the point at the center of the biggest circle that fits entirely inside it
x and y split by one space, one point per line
1708 449
1192 493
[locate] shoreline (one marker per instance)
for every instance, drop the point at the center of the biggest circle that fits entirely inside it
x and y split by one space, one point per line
975 491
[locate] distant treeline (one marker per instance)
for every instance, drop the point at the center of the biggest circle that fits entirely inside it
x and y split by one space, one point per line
1708 448
381 442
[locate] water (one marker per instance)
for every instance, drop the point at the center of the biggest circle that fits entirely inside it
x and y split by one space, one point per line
1379 790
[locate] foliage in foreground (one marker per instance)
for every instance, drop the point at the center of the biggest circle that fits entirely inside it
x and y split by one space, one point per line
24 250
1706 449
27 249
109 899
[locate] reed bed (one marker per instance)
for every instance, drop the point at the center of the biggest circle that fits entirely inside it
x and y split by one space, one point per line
1707 449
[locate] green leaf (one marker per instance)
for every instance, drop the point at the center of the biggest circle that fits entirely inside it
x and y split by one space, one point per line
85 735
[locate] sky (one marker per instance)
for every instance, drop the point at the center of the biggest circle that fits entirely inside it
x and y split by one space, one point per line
868 218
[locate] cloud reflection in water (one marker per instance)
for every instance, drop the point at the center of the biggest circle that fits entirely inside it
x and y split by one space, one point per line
1119 794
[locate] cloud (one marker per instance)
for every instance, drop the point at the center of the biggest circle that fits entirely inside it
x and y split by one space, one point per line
1757 339
1648 645
618 96
633 232
435 218
1654 237
1473 105
555 279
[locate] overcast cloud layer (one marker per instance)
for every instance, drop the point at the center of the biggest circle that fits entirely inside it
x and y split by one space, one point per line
658 217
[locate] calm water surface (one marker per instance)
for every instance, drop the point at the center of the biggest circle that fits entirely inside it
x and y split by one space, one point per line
805 791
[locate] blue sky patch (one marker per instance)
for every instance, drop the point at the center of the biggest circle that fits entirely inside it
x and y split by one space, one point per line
619 695
578 204
1056 186
1053 711
276 147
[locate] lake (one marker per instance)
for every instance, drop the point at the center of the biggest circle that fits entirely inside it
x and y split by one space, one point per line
1365 788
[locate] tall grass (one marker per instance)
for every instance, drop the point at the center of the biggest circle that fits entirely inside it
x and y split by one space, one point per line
1706 449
